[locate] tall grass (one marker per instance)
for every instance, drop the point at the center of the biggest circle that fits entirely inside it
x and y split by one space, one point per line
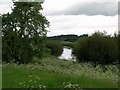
69 44
55 65
15 77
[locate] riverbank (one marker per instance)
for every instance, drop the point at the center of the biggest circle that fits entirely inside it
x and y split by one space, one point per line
53 72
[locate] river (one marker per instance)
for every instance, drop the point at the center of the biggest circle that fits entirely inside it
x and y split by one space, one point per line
67 54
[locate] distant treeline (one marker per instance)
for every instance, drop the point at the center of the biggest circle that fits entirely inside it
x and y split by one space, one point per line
70 37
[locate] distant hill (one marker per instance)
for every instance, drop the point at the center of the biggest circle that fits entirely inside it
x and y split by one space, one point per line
69 37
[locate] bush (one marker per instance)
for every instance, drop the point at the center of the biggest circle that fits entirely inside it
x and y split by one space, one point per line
97 48
55 46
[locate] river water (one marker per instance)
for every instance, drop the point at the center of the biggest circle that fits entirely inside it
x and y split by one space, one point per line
67 54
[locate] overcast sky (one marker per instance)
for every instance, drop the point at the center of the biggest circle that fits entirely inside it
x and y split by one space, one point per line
76 16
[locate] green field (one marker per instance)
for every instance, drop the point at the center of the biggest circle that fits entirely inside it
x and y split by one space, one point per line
68 44
54 73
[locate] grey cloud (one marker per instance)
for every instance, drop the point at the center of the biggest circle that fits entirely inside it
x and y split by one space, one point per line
106 8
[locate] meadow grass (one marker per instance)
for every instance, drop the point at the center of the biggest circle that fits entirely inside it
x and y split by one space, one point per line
55 73
67 43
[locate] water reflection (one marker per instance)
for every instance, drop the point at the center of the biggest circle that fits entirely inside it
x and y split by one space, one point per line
67 54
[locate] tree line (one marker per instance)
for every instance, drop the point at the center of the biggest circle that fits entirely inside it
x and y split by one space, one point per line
69 37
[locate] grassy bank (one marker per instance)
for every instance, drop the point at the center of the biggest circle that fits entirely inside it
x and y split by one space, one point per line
55 73
67 43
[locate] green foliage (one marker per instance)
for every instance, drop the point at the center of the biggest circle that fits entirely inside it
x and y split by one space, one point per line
98 48
70 38
79 43
47 52
55 46
48 71
68 44
24 32
16 49
67 40
33 79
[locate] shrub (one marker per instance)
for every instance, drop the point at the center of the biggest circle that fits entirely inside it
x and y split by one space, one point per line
97 48
55 46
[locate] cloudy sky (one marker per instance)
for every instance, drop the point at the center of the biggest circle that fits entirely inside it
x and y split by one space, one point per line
76 16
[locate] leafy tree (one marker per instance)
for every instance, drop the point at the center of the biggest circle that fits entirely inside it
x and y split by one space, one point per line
24 32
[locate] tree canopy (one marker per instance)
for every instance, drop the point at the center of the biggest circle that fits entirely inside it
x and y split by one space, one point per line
24 32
